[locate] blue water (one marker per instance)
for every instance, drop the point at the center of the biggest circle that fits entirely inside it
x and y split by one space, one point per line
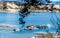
32 18
52 2
42 1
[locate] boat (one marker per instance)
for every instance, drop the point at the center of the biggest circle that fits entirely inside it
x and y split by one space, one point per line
43 26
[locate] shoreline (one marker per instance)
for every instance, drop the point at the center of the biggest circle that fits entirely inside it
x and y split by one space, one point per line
17 11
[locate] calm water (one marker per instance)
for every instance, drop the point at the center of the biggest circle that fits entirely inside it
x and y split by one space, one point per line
42 1
32 18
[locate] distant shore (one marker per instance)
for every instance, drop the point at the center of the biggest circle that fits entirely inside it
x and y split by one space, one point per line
17 10
16 7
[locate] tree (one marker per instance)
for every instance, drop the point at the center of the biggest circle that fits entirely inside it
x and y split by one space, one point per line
52 7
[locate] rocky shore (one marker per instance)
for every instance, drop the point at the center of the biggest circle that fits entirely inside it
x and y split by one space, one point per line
16 7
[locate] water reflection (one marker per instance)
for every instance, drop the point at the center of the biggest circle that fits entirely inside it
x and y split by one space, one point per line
22 16
30 18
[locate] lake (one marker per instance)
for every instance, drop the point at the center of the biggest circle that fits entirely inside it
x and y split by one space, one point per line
33 18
